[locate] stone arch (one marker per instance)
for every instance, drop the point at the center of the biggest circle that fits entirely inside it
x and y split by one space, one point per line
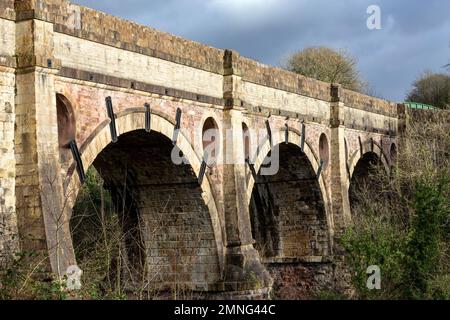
133 120
246 138
210 140
66 121
316 192
294 137
393 152
324 149
362 178
197 134
369 146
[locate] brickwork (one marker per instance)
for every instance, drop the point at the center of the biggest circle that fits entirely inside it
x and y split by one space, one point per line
363 178
288 212
359 144
180 245
301 280
50 47
289 225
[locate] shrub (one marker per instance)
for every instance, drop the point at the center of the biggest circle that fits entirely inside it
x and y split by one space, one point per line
406 231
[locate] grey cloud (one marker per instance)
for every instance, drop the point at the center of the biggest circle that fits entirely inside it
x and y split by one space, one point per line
415 34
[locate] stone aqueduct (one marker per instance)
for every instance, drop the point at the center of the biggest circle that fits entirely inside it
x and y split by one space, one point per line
58 64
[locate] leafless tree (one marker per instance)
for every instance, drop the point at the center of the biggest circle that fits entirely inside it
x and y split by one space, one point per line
329 65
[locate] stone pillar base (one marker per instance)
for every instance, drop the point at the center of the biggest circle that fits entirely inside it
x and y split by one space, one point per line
244 270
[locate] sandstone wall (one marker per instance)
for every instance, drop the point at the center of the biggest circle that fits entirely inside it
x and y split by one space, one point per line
7 37
85 55
7 10
259 95
8 220
367 121
177 232
99 27
255 72
131 51
368 113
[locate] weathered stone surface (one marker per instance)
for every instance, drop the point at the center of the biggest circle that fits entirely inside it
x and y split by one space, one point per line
50 47
8 215
179 240
288 213
301 280
7 10
8 218
85 55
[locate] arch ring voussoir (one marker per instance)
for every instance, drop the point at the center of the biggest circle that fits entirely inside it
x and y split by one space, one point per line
132 121
294 137
367 147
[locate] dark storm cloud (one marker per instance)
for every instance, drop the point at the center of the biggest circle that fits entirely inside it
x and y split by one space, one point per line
415 35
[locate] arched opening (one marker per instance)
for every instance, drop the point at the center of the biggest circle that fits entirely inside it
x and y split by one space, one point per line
363 178
166 237
66 121
393 152
289 224
287 210
246 141
324 150
210 140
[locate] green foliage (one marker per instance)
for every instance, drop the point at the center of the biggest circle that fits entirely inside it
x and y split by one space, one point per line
253 279
439 287
96 237
413 262
406 230
25 279
428 228
330 295
431 88
375 241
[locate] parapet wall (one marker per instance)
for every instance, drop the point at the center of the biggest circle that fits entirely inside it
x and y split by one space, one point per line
258 73
367 103
88 24
99 27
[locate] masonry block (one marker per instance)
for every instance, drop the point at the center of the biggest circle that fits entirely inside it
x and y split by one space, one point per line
204 237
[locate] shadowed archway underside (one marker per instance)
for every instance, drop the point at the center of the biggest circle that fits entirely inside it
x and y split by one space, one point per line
364 178
289 224
163 201
287 210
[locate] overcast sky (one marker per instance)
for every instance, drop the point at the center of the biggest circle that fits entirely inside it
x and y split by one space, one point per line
415 35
